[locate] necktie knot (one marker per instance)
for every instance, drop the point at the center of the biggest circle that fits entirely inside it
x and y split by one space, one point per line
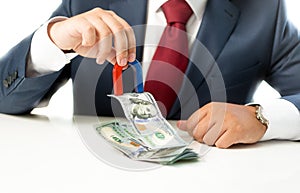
177 11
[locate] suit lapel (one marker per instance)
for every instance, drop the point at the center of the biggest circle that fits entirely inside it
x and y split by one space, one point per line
218 22
135 13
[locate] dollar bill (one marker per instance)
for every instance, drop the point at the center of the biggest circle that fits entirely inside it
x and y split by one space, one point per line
145 134
122 135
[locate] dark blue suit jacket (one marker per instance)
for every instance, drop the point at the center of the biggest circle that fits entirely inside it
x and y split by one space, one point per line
239 44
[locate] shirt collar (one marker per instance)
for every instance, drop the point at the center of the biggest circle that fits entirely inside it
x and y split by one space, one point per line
198 6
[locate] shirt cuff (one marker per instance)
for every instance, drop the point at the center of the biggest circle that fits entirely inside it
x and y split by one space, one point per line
45 57
284 120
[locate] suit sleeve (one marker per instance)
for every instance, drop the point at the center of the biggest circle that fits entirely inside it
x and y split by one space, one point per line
284 72
19 94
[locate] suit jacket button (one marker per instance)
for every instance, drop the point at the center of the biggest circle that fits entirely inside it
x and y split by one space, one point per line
9 80
5 83
14 75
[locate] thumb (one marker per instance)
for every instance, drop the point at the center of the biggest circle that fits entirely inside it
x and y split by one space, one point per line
182 125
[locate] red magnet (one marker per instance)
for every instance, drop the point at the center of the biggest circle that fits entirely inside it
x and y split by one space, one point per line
117 79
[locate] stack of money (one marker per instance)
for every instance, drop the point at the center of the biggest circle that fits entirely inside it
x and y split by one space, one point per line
145 134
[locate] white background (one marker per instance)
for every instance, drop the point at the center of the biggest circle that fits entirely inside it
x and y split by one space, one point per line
20 18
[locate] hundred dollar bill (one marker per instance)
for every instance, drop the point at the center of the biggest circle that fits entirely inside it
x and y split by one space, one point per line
145 134
142 111
122 135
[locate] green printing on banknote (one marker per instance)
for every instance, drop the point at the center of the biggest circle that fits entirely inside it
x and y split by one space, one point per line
146 135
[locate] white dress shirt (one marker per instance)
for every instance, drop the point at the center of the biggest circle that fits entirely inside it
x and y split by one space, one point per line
45 58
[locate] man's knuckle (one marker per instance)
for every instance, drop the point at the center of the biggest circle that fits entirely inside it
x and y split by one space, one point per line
110 12
105 34
89 28
97 10
129 30
119 28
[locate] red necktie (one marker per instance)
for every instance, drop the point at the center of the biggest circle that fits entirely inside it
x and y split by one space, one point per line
170 60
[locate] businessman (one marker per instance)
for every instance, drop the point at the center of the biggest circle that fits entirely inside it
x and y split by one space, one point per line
222 51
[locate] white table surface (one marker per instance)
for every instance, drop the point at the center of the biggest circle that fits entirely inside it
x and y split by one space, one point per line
47 154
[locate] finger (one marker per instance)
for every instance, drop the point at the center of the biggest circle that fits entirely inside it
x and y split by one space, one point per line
72 33
87 31
112 56
104 44
210 127
105 49
105 40
226 140
120 38
195 118
83 29
89 36
213 134
182 125
202 128
130 37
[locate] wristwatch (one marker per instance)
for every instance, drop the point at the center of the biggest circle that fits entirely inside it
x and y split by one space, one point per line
259 115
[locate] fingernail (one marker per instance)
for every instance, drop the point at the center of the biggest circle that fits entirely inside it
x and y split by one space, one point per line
131 57
123 62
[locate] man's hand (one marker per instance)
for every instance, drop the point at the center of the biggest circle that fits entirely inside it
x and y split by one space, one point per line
91 34
224 124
